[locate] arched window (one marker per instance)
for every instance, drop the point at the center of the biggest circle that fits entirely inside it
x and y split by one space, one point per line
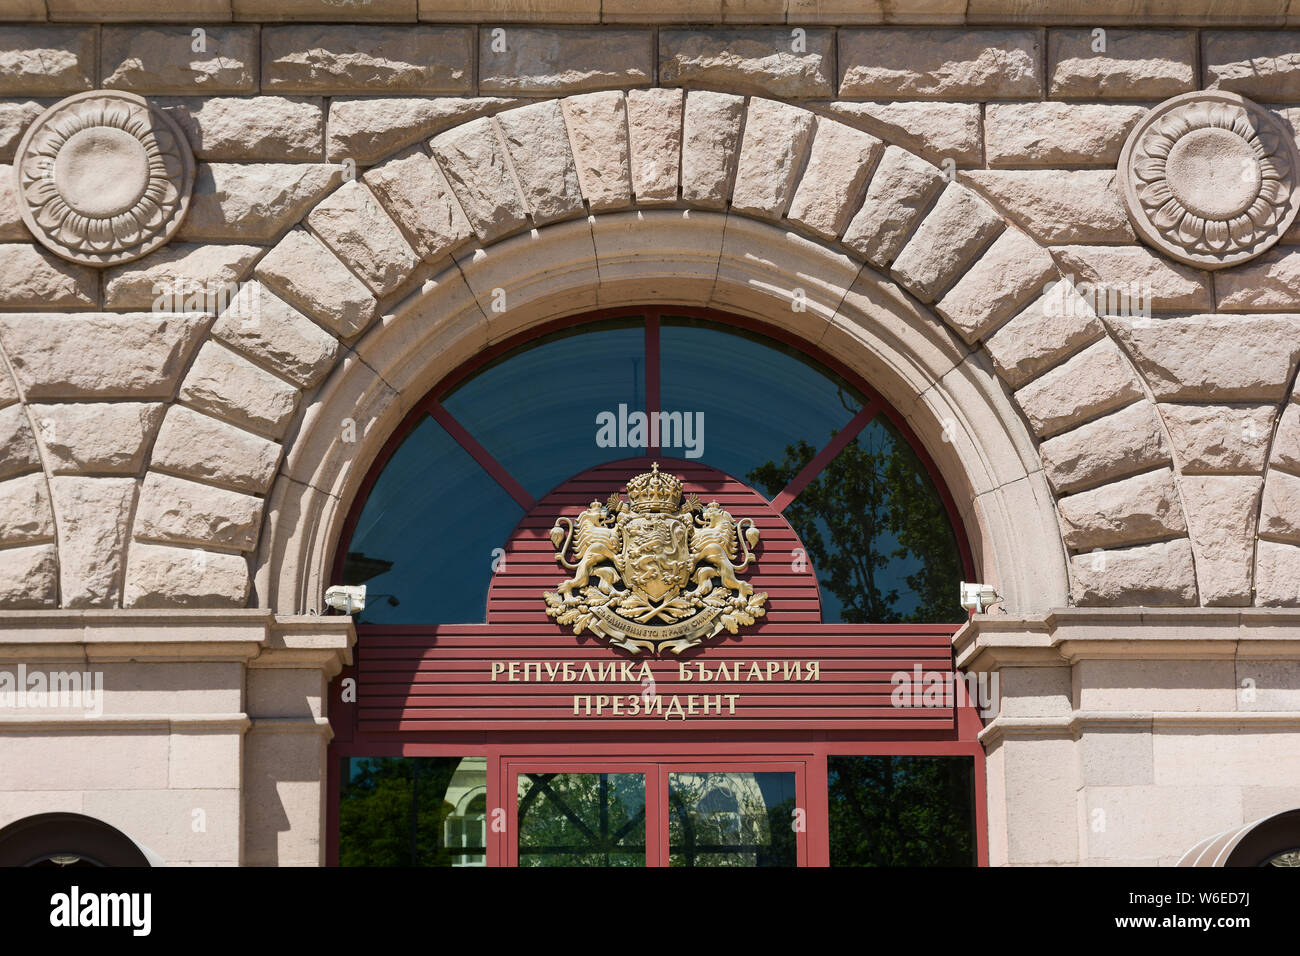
67 840
819 445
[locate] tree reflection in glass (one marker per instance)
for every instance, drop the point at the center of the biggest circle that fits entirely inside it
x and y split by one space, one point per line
581 819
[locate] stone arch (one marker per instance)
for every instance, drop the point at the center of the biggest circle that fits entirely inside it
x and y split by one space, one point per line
912 277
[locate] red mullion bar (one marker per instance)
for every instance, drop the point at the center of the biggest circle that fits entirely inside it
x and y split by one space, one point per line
481 455
826 455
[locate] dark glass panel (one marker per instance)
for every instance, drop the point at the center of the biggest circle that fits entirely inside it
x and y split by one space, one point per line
902 811
423 544
737 818
581 819
535 408
413 811
876 531
757 396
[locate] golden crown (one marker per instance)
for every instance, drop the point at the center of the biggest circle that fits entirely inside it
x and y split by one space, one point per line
654 491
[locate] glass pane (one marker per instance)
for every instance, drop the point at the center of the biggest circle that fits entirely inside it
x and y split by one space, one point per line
731 819
431 496
902 811
581 819
413 811
535 408
759 399
876 530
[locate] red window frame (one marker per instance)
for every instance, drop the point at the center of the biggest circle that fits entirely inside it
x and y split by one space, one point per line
809 751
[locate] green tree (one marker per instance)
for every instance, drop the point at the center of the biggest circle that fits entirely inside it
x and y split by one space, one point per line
901 811
391 812
875 529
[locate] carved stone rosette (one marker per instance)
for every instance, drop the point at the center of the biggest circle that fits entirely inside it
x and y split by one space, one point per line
1209 179
103 177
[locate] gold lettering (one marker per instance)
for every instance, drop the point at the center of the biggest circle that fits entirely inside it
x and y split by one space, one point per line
497 668
814 670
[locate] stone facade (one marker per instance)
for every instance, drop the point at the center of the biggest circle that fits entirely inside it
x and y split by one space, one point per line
187 406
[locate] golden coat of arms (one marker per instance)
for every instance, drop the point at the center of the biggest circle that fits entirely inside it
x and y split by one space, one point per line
666 571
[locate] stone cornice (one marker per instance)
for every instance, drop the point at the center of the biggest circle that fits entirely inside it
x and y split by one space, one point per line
1062 637
1091 13
1073 725
255 636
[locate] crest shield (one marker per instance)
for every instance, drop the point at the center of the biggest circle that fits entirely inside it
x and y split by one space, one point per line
653 573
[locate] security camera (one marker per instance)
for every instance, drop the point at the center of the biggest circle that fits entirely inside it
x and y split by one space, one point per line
977 597
346 598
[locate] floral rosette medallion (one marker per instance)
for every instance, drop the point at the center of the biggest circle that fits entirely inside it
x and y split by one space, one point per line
103 177
1209 179
666 571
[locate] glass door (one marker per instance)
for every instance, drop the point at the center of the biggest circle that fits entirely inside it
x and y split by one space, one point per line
715 813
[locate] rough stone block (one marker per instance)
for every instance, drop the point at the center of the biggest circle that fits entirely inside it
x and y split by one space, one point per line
1261 64
1142 508
952 234
46 61
102 437
654 129
1286 443
366 129
558 61
1054 325
1219 438
1270 283
276 129
474 162
1008 274
18 451
99 354
92 517
415 194
1133 276
275 334
180 276
899 192
366 59
25 515
1057 134
162 59
1110 447
598 133
1277 574
776 141
1280 511
710 141
940 64
178 511
254 202
35 279
1089 384
1135 64
15 117
1221 512
1218 358
832 186
163 576
538 143
355 227
29 577
1155 575
307 275
229 386
759 61
939 130
1059 206
213 451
